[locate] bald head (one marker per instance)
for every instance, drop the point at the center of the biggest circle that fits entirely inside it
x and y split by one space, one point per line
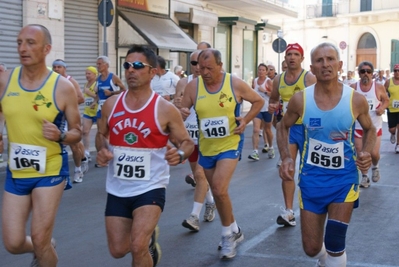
203 45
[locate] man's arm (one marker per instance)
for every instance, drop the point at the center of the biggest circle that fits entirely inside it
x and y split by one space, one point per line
79 93
294 111
244 92
179 92
101 141
118 82
383 97
187 102
66 100
361 112
173 123
274 101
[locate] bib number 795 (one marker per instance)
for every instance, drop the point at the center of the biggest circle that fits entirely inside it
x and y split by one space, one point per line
129 171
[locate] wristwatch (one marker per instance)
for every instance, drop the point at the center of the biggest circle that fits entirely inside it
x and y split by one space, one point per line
62 137
181 155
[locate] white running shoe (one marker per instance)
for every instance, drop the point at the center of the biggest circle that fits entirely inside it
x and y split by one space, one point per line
254 156
239 237
375 174
365 181
270 153
78 177
192 223
287 218
393 138
85 165
396 148
228 248
265 149
209 214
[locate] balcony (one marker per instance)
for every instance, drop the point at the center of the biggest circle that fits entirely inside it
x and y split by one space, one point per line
321 11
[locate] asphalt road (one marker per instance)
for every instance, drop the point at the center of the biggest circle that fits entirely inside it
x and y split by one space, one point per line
256 194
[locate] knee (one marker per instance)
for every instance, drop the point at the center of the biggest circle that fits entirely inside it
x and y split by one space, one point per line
139 247
219 192
14 246
118 251
335 236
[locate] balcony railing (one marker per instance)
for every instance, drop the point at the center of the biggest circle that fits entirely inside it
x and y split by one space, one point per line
320 11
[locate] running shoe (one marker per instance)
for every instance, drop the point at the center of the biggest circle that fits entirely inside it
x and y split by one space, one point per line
154 248
375 174
318 264
365 181
1 158
287 218
397 149
34 262
87 154
279 162
78 177
254 156
209 214
393 138
85 165
228 247
238 237
270 153
191 180
265 149
191 223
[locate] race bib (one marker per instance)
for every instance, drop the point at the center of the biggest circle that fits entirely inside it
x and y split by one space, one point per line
217 127
101 103
324 155
130 164
395 103
192 129
89 101
372 103
24 156
285 105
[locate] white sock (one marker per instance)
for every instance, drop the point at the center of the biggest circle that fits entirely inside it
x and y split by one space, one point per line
375 166
322 256
197 208
271 147
255 150
226 230
87 153
339 261
78 169
209 196
234 227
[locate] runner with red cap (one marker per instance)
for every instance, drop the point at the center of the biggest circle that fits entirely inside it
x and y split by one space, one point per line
285 85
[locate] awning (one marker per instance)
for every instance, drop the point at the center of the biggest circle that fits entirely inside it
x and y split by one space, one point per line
162 33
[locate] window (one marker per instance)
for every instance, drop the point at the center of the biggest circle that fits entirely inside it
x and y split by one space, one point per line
365 5
327 8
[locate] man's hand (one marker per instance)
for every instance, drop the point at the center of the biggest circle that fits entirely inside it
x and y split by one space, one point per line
50 131
171 155
363 161
185 112
273 107
241 125
107 92
286 169
103 157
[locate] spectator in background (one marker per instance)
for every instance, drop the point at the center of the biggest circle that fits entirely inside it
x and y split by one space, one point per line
387 74
350 79
3 68
165 81
178 70
271 72
203 45
380 77
284 66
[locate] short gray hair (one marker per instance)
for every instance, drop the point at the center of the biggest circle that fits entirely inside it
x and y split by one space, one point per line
325 44
4 65
105 59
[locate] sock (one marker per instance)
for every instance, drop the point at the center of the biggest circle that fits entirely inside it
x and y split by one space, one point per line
87 153
375 166
78 169
321 256
255 150
226 230
196 208
234 227
271 147
209 196
339 261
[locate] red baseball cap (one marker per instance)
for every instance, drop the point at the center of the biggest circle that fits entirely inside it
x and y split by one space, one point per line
396 67
295 46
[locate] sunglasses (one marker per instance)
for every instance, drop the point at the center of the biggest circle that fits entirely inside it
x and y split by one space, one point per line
395 70
135 65
194 63
363 71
